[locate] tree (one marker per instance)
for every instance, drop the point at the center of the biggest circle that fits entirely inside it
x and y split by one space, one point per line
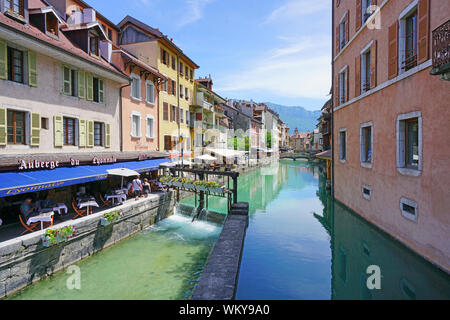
269 140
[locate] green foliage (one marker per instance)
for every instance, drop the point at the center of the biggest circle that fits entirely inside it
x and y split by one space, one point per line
112 216
56 236
269 140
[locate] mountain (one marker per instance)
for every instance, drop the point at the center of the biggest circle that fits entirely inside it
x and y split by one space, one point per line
296 117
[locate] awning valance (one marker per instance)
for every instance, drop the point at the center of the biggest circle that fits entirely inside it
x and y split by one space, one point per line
14 183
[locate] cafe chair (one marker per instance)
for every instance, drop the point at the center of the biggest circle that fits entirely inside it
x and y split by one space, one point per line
78 212
104 202
28 228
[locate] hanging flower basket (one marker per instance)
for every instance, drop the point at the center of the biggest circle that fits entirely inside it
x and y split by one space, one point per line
109 218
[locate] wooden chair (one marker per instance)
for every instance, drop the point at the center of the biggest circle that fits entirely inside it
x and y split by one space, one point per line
28 228
104 202
78 212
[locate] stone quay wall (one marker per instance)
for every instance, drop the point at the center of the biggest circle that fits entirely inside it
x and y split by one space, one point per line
25 260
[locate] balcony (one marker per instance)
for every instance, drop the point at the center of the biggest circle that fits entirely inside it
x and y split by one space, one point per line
441 51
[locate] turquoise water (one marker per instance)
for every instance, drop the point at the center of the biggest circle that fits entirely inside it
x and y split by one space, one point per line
299 245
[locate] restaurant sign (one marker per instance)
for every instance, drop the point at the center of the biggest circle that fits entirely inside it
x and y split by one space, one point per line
35 164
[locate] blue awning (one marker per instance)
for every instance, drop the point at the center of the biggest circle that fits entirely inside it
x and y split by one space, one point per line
14 183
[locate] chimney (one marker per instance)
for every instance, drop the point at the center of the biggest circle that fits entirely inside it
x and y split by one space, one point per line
106 50
75 18
89 15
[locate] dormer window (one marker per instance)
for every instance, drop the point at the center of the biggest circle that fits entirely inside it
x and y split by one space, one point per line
93 44
51 24
16 6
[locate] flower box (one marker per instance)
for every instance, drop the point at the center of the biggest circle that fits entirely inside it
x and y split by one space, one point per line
189 186
177 184
201 188
217 190
55 237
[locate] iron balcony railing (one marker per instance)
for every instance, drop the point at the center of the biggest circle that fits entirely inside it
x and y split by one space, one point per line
441 49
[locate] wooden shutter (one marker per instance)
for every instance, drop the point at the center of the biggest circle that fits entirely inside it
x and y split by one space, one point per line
336 91
101 91
82 133
347 26
347 89
373 65
32 69
338 35
90 86
171 114
358 76
3 60
165 111
107 135
58 131
393 51
81 84
3 126
162 55
169 86
67 80
358 14
423 31
90 134
35 138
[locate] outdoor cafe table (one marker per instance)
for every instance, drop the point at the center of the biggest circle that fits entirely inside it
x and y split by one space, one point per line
121 191
45 216
119 197
88 205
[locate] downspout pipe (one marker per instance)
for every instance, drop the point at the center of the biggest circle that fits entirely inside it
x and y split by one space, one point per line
333 92
121 114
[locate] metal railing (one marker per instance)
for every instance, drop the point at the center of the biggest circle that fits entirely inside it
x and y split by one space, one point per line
441 45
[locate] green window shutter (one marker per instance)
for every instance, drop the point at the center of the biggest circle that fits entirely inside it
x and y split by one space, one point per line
58 131
2 127
81 84
101 91
35 139
32 69
90 86
67 80
82 132
108 135
3 60
90 134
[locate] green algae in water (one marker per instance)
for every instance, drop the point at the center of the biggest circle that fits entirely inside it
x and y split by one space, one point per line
162 263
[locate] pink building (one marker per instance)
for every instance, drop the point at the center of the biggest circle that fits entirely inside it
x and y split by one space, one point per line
391 120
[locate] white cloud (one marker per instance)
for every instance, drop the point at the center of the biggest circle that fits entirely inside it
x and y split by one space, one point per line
194 12
299 69
297 8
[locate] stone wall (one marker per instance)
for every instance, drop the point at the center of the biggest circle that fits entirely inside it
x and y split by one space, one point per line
25 260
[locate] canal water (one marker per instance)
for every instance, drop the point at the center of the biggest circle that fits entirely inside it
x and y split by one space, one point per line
299 245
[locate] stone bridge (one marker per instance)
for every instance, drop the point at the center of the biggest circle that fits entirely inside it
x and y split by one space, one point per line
308 155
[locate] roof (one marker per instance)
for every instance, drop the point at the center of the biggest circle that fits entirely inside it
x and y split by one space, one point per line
156 33
98 14
127 55
62 43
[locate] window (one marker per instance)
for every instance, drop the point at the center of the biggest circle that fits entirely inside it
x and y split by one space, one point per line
186 93
69 131
51 23
366 144
174 63
343 85
110 36
409 209
98 134
409 143
181 116
167 143
135 86
16 66
181 68
174 88
410 55
16 127
366 10
99 90
186 72
188 115
173 114
70 84
165 86
365 71
191 75
44 123
93 44
136 125
366 192
343 145
343 32
16 6
181 91
165 111
150 127
164 57
150 92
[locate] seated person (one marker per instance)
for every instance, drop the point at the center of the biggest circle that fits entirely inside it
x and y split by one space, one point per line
28 209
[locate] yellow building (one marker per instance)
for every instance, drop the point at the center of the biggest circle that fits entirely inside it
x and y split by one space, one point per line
175 95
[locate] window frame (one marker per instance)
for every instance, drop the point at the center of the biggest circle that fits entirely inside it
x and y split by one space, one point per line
14 127
21 11
138 134
95 37
343 85
364 153
152 85
102 134
411 9
402 166
343 147
406 214
152 133
11 65
366 67
135 77
66 141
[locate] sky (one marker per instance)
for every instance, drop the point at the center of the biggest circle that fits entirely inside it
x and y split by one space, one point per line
267 50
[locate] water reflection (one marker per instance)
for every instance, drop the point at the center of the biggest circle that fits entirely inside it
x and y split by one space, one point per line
302 245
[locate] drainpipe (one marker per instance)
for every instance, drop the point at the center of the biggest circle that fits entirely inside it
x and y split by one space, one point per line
332 97
121 115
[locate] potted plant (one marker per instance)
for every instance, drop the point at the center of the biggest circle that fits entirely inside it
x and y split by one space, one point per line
110 217
200 186
53 237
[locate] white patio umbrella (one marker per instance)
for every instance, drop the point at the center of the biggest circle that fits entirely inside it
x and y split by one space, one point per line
206 157
123 172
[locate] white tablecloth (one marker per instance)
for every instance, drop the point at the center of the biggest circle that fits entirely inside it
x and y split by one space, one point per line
59 207
119 197
88 204
43 217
